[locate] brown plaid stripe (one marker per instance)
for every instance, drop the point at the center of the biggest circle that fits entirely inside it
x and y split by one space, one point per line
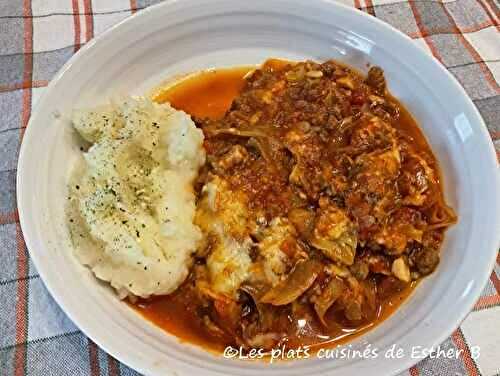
36 338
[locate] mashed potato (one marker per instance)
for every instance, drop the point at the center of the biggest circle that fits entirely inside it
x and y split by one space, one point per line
131 203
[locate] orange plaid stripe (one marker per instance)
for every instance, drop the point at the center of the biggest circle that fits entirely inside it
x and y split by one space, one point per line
133 6
470 365
477 58
9 217
423 30
76 21
24 85
93 357
22 256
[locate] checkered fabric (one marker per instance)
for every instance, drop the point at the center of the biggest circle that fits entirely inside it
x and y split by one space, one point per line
38 36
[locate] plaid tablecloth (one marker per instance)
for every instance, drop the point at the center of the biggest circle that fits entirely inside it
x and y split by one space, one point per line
38 36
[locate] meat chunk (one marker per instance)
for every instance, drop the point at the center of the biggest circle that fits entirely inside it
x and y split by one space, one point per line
376 171
372 132
307 173
404 226
376 79
425 259
373 191
389 286
415 179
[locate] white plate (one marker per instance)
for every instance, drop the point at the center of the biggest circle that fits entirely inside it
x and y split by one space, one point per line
188 35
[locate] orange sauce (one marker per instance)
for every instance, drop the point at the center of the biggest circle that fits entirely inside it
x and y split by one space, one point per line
209 94
171 313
